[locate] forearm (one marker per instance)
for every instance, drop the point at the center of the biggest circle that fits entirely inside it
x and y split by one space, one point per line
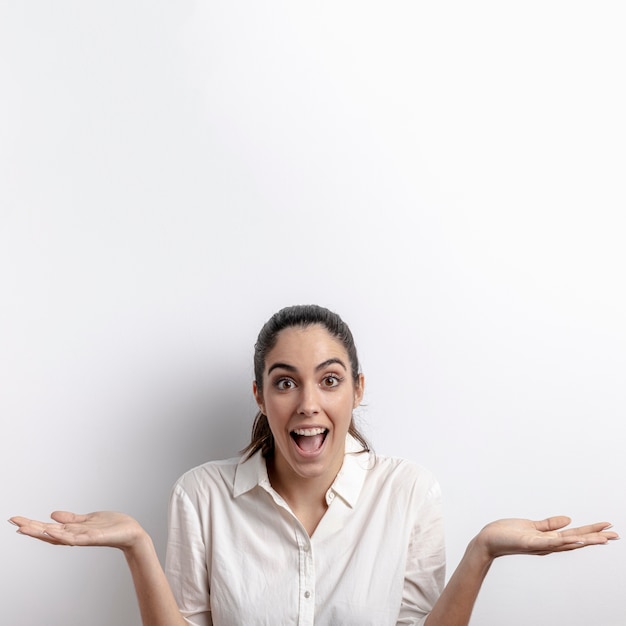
156 601
454 606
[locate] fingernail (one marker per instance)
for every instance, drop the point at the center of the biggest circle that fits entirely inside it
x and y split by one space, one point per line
11 522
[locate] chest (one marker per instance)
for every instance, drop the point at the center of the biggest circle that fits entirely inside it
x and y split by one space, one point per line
265 569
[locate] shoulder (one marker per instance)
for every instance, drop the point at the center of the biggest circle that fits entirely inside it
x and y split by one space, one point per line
210 476
399 474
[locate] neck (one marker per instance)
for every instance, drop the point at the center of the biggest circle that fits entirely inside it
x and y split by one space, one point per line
306 497
298 490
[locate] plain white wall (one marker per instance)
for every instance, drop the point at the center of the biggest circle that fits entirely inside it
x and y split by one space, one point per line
448 176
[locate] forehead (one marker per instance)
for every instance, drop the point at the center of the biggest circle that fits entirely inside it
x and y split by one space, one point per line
306 345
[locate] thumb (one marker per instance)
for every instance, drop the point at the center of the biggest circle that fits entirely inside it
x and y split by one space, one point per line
553 523
65 517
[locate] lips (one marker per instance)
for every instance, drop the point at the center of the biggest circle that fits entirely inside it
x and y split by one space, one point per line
309 440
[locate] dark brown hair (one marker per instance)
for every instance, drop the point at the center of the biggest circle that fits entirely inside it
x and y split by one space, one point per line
301 315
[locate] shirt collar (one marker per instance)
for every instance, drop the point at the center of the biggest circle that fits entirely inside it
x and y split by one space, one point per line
252 472
351 476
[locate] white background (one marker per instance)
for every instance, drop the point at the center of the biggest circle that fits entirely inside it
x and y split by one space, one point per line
448 176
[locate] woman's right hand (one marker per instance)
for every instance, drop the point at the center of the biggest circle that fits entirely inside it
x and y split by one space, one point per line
103 528
116 530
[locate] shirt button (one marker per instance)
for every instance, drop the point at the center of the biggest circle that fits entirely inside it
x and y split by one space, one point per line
307 594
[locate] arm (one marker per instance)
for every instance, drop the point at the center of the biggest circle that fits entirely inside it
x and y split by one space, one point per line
514 536
156 602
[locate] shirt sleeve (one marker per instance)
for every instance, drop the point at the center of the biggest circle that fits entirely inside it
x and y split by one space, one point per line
426 562
186 560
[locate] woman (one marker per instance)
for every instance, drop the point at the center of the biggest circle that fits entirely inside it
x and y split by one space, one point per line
308 526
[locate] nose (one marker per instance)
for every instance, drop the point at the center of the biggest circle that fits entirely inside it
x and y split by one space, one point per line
308 404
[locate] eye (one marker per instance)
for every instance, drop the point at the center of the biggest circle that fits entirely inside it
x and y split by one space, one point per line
330 381
284 384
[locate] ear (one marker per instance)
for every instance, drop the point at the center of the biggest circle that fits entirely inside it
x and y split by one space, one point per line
359 389
258 396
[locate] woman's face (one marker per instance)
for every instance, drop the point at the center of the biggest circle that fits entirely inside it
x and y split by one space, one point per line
308 396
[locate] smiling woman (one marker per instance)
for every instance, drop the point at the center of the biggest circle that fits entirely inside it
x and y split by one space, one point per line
307 396
308 526
299 317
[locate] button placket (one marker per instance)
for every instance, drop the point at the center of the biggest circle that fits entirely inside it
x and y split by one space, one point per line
306 613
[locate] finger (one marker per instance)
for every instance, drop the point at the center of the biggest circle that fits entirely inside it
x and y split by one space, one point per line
589 528
552 523
556 542
65 517
593 538
581 543
42 536
26 523
18 520
38 530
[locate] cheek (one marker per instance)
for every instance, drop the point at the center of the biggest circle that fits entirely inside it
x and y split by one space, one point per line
277 407
277 421
343 408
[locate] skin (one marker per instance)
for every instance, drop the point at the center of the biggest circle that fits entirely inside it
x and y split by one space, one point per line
116 530
303 394
505 537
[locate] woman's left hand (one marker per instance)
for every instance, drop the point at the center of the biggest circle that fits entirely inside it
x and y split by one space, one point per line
521 536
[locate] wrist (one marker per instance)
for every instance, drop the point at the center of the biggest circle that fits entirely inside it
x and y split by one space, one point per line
479 552
138 543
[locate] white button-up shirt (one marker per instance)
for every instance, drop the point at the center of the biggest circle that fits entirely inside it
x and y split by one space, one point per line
238 556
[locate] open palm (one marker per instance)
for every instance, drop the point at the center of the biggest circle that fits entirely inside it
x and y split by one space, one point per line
521 536
104 528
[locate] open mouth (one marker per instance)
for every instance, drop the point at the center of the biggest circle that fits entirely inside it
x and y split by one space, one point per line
309 439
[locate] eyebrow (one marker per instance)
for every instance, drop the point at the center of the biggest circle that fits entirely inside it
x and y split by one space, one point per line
321 366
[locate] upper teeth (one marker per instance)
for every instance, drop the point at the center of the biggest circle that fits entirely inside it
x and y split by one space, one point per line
309 432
